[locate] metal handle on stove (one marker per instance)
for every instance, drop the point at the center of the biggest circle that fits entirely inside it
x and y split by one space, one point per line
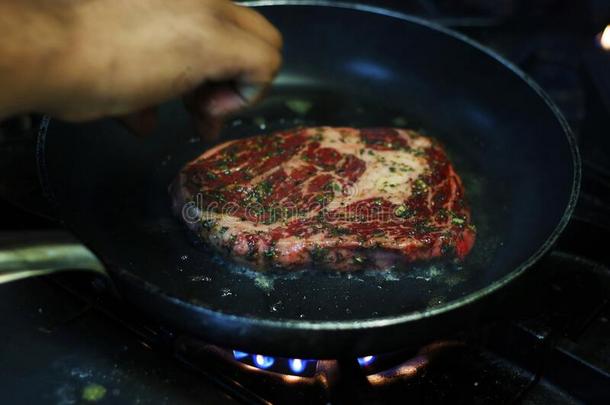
36 253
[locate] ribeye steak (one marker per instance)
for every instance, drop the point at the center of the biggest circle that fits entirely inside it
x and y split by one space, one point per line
339 198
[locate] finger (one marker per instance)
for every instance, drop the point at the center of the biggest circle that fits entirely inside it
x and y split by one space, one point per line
248 59
222 101
215 100
207 126
254 23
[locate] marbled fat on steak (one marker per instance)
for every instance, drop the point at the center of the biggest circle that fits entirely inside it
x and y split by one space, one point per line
339 198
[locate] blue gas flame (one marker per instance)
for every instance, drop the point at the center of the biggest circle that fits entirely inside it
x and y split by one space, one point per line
263 361
366 360
239 355
297 365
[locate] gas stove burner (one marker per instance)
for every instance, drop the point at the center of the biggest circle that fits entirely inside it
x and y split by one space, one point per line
297 367
321 378
290 366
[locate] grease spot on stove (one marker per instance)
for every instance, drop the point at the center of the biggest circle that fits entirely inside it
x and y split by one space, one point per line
80 373
93 392
274 307
264 283
201 278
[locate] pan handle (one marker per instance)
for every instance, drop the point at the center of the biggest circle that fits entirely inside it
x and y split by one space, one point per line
36 253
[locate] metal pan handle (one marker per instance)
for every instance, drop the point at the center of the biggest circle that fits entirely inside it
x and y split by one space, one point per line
36 253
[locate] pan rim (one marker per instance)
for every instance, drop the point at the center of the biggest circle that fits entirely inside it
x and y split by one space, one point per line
381 322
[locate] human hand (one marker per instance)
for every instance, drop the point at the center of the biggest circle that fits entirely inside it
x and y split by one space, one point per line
115 57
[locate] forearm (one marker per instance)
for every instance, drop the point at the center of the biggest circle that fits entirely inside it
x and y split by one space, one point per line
31 41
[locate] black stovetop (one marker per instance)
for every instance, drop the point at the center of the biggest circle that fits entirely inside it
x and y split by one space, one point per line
65 345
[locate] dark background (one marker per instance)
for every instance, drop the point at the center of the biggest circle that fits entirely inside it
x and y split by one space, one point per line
553 348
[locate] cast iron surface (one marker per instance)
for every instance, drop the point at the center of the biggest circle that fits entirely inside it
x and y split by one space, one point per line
355 66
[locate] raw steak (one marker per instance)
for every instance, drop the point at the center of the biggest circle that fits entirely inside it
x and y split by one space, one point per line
339 198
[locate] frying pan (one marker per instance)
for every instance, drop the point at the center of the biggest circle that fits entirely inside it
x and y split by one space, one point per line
344 65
